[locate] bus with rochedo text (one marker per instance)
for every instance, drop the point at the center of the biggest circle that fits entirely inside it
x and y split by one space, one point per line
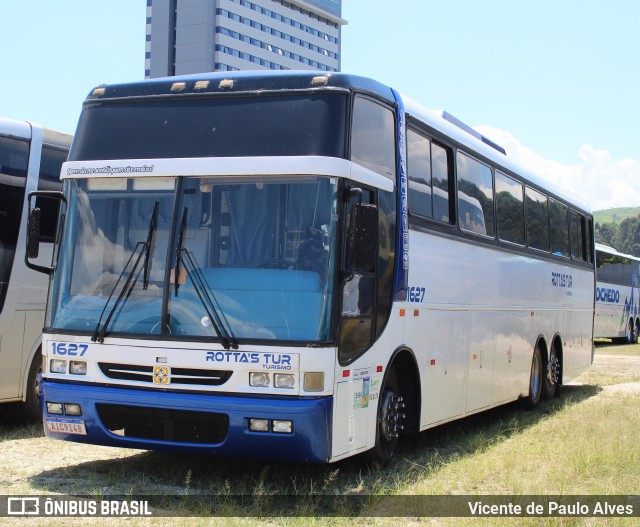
30 158
300 266
617 315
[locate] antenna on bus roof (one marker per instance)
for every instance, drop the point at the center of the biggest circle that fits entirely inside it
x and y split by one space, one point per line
463 126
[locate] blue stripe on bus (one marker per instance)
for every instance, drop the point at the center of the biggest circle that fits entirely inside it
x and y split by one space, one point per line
402 269
310 441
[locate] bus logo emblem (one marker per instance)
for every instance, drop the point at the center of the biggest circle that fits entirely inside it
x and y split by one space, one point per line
161 374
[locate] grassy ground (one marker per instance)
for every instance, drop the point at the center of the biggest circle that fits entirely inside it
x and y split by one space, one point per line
584 442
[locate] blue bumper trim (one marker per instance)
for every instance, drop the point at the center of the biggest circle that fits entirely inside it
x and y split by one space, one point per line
309 442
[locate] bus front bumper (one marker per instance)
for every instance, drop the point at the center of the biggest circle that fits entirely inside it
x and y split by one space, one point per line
209 424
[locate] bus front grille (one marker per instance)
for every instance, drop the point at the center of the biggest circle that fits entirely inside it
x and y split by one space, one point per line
144 373
161 424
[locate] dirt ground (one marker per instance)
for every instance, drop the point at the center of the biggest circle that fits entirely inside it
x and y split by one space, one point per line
31 463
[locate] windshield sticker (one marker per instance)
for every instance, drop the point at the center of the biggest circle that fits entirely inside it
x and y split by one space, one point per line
88 171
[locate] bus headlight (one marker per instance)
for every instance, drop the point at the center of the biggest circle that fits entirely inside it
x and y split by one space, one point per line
72 409
58 366
78 367
259 425
284 380
54 408
259 379
282 427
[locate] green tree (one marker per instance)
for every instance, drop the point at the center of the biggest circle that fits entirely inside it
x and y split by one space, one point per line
607 233
628 236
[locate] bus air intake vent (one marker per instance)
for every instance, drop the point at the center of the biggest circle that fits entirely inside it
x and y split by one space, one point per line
144 373
163 424
463 126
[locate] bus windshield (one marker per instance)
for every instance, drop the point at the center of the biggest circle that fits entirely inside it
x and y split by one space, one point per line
230 259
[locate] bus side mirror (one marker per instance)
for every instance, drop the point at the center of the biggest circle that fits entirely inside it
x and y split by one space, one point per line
34 224
33 233
363 236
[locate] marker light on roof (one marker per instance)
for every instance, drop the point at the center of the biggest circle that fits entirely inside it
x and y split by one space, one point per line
320 80
178 86
202 85
98 91
226 83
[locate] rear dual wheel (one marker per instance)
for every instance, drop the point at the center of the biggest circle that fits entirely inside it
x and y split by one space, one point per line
535 380
551 378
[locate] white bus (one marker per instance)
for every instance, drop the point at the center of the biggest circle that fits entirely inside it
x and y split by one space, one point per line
30 159
617 296
244 272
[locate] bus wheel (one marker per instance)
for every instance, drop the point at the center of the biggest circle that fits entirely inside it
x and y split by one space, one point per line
535 380
31 406
631 332
389 421
551 379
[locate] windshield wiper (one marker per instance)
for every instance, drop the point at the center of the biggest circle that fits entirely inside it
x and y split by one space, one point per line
176 274
200 287
99 333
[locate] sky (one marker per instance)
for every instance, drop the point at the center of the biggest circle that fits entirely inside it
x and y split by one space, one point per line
555 82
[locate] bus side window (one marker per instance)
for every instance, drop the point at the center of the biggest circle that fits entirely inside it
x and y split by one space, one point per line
509 209
475 196
559 228
419 172
537 211
373 137
14 158
428 178
578 239
49 179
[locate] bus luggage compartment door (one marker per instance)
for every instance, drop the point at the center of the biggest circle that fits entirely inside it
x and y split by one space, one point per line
350 416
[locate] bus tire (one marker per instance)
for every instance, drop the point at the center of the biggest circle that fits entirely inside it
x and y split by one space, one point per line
631 337
551 377
31 406
389 415
535 380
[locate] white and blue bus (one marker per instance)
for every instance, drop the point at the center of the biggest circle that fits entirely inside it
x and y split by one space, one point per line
617 316
301 266
30 159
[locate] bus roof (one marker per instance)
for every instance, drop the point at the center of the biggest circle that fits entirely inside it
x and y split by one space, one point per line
241 82
602 248
274 81
22 130
439 122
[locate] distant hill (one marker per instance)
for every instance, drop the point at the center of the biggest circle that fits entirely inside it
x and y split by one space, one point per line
615 215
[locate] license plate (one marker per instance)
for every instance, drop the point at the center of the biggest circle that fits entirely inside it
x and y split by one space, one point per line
66 427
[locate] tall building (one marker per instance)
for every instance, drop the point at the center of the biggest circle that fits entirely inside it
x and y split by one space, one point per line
195 36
